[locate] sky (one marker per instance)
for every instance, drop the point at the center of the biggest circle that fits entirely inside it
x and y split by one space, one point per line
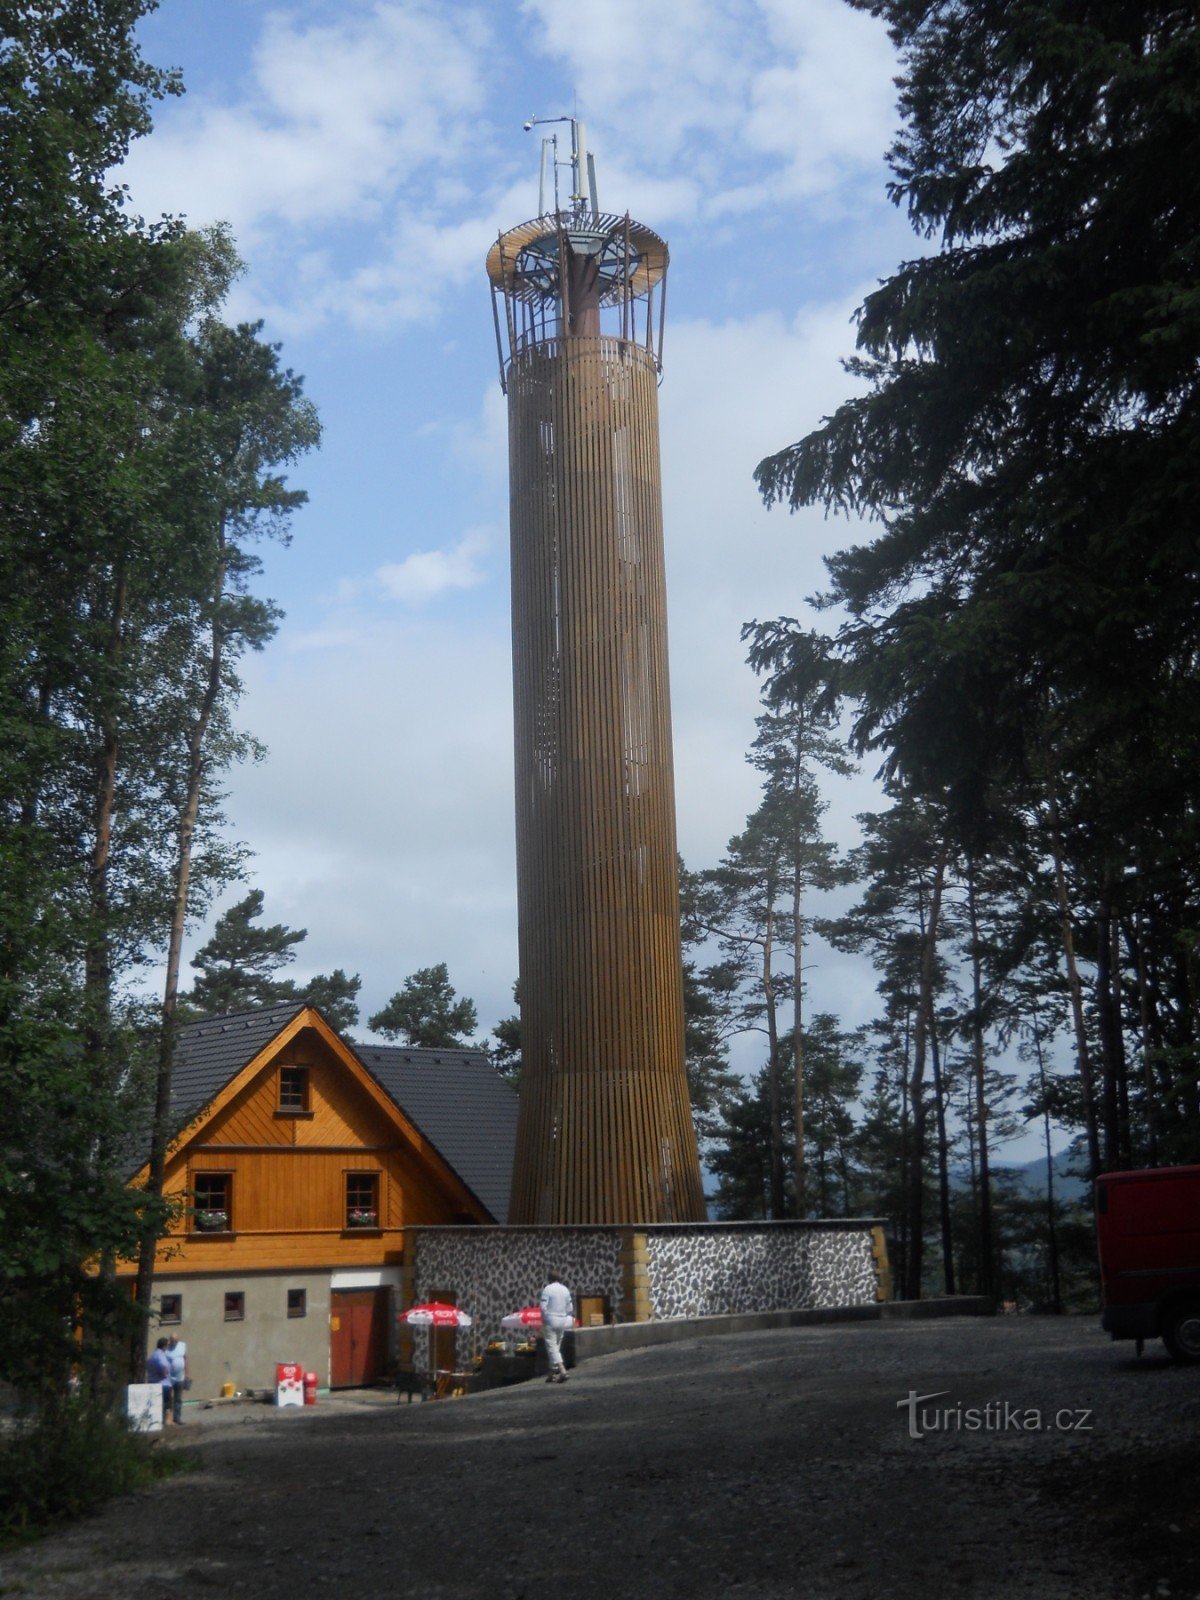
365 155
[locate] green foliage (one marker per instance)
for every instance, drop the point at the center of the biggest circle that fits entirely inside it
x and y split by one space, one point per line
706 1027
741 1153
427 1012
140 441
1019 633
335 995
506 1052
59 1466
237 966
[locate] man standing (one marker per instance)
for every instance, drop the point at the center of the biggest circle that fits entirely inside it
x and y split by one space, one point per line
158 1370
180 1377
558 1314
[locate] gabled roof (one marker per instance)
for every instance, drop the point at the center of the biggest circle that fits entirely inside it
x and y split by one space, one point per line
455 1098
209 1053
463 1107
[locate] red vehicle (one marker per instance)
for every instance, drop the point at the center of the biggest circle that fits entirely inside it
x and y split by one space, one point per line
1148 1234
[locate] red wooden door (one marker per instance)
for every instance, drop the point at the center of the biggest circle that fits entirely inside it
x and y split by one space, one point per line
358 1330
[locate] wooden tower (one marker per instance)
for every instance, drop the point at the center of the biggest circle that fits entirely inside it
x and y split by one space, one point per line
605 1133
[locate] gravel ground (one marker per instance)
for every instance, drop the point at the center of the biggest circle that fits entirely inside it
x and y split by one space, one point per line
768 1465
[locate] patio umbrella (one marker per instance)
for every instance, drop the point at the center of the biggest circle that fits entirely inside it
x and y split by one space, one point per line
527 1317
435 1314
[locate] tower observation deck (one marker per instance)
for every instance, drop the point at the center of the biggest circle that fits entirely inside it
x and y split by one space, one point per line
605 1133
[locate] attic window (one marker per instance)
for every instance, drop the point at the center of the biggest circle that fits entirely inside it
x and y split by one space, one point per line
293 1090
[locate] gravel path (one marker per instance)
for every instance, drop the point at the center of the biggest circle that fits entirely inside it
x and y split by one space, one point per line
769 1465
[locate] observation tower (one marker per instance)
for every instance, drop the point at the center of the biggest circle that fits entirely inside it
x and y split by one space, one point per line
605 1132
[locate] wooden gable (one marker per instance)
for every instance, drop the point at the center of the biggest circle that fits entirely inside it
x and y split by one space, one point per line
291 1173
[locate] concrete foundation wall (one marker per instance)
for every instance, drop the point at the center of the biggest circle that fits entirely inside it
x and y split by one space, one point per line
245 1353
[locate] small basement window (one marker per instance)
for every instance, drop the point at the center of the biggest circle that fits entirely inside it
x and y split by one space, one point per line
212 1205
293 1089
297 1302
235 1306
362 1199
170 1308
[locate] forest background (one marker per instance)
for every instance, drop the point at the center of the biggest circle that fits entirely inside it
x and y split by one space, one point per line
1012 642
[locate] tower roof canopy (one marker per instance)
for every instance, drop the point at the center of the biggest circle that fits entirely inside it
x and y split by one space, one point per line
525 263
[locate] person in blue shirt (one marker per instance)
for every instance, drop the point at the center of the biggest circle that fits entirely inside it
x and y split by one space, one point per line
158 1370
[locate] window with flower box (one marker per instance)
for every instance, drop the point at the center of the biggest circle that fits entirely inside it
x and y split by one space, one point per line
362 1200
212 1202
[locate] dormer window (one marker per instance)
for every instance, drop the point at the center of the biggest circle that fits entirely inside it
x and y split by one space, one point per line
293 1090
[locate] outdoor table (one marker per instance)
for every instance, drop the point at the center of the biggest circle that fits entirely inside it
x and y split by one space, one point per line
450 1382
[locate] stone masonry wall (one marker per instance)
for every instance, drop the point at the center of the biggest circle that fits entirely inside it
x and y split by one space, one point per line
493 1271
707 1271
703 1269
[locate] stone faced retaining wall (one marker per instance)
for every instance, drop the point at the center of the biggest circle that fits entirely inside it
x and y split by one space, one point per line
710 1271
651 1273
492 1271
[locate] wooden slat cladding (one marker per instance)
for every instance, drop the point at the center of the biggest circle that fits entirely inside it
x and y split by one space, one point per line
605 1132
287 1172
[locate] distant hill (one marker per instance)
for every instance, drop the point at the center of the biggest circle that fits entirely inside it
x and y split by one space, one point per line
1068 1186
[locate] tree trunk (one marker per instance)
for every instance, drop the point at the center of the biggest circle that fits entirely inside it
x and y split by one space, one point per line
1110 1028
987 1262
916 1176
800 1197
97 963
778 1208
939 1101
1136 945
161 1130
1075 986
1051 1225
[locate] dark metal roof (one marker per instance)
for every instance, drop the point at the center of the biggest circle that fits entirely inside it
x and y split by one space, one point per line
462 1106
454 1097
209 1053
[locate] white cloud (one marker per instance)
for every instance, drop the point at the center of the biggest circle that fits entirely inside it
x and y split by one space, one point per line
382 820
732 105
356 165
336 118
426 574
729 558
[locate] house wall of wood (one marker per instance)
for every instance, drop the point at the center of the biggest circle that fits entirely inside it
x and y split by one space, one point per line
286 1173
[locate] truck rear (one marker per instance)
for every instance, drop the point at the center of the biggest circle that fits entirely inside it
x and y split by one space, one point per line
1148 1236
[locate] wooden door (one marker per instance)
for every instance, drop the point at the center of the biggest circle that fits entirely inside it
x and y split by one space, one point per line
358 1334
593 1310
445 1340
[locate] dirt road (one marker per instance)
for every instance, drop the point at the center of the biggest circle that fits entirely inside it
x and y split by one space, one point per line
768 1465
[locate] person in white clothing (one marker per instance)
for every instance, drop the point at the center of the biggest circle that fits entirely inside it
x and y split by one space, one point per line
180 1375
558 1314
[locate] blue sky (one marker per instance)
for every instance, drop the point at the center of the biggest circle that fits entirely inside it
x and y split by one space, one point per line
365 156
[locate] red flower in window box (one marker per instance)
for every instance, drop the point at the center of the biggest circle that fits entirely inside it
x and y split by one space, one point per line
360 1217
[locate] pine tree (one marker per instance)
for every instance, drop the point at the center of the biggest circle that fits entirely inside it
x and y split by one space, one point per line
238 964
427 1012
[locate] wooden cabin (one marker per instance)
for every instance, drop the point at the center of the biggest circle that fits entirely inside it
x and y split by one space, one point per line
301 1160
